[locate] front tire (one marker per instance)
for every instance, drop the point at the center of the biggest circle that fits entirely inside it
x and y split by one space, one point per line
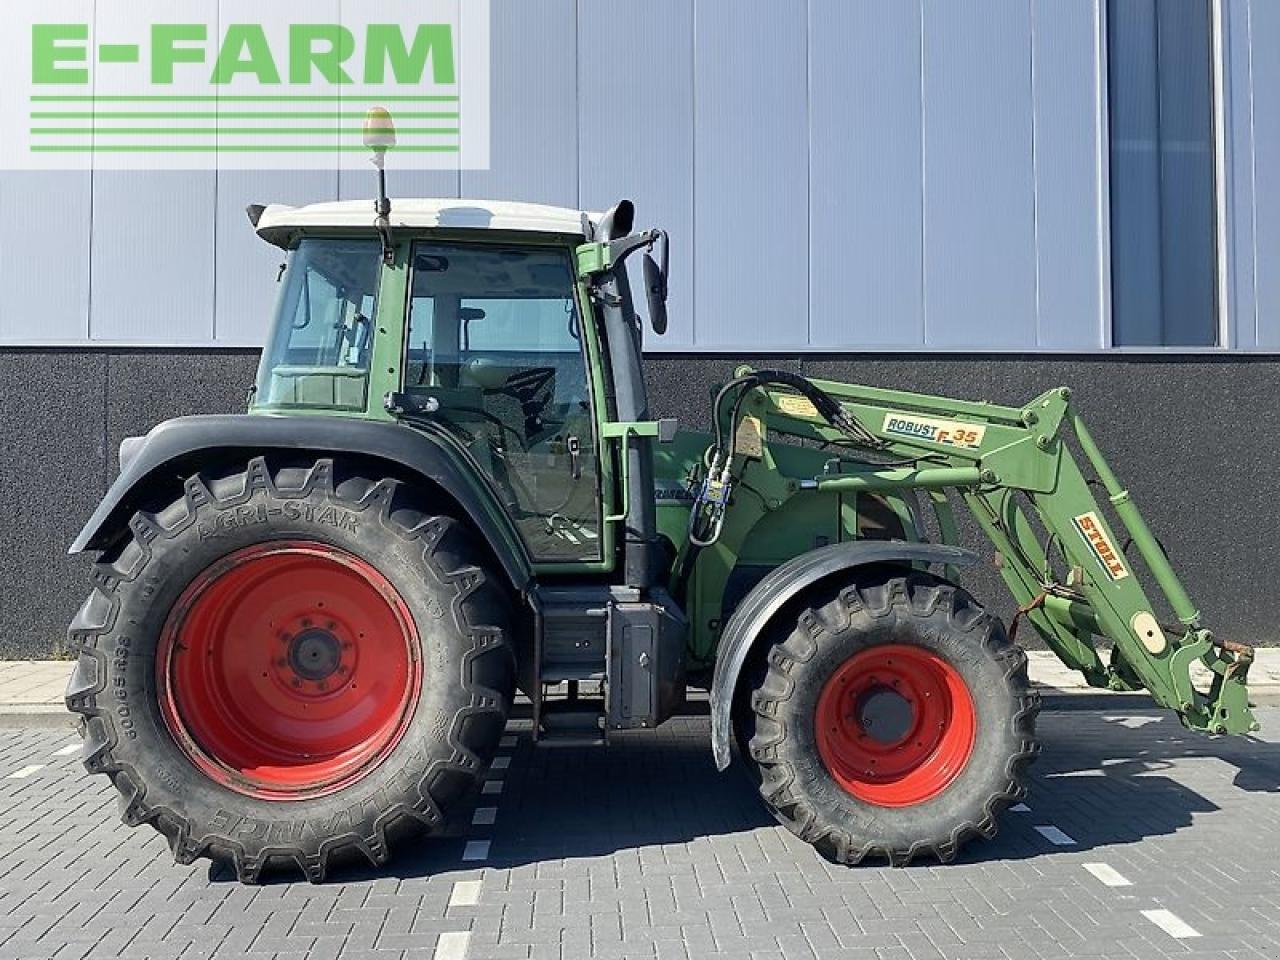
292 666
894 720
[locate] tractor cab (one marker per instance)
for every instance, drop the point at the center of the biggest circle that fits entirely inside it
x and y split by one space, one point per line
504 334
475 324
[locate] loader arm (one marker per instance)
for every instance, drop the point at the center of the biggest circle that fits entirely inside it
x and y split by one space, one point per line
1033 495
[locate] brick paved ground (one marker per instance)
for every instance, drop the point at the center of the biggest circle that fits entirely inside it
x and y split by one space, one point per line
644 851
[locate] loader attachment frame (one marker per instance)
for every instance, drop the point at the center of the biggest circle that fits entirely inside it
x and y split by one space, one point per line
1033 495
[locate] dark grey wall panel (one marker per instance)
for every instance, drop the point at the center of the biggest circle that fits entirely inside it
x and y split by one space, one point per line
752 163
1068 142
1167 425
53 470
144 389
866 205
534 76
636 129
44 256
59 453
980 242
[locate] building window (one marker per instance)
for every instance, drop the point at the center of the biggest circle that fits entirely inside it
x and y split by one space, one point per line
1164 257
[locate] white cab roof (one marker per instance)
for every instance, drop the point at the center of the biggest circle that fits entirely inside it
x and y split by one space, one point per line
279 223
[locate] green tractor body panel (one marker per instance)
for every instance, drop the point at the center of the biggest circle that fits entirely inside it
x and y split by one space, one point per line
175 447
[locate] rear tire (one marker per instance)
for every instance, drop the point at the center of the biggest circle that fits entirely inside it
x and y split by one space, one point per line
206 651
916 660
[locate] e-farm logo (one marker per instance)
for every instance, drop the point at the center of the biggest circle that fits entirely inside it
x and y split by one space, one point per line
234 84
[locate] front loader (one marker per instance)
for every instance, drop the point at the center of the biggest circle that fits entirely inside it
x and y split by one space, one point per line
308 624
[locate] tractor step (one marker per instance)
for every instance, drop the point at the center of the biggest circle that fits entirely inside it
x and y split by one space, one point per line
566 673
576 723
630 646
575 634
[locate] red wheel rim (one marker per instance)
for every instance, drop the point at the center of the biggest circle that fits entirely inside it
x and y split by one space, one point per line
288 670
895 725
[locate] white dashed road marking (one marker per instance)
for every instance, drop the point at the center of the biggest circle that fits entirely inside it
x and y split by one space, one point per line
466 893
501 763
452 946
25 772
484 816
491 787
1171 923
69 749
1019 808
476 850
1109 875
1055 836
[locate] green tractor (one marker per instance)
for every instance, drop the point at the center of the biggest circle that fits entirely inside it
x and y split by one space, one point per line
308 624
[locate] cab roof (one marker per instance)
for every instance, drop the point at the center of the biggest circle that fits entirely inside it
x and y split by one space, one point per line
281 224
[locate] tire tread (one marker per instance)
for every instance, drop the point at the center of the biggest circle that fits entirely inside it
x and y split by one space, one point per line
479 610
916 596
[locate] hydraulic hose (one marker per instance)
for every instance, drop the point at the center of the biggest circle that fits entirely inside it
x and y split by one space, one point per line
706 518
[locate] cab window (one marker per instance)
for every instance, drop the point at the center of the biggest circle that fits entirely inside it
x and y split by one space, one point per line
494 336
319 351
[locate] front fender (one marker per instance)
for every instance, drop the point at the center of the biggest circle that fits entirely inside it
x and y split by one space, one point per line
784 584
178 445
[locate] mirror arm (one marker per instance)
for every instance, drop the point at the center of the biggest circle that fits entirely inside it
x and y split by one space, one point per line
601 260
620 250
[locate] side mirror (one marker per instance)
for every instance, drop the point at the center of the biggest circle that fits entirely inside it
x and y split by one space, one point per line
656 286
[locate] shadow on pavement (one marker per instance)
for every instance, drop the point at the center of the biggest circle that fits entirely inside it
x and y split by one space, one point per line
1103 778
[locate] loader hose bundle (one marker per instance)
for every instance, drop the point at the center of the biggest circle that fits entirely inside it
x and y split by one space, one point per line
707 516
827 406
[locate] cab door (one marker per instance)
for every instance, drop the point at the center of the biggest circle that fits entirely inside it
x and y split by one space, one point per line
495 338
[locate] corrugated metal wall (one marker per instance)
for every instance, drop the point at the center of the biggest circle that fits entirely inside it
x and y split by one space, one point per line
837 175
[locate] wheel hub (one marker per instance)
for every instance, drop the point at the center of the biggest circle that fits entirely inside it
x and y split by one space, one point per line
895 725
288 670
884 715
315 654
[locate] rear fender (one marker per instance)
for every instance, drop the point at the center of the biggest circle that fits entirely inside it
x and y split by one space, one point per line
747 625
178 445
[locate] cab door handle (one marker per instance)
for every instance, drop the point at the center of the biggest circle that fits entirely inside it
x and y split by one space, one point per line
574 447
